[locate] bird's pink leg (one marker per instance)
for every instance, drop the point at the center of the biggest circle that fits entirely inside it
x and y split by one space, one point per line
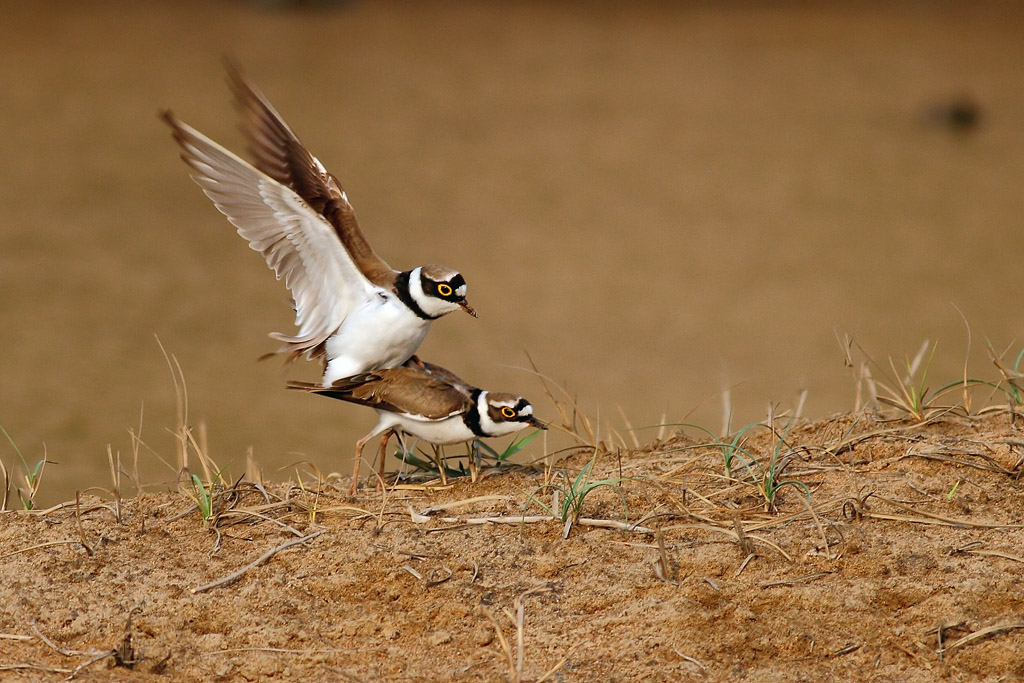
355 467
383 454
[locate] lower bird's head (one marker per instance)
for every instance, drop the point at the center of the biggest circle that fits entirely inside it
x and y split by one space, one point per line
502 413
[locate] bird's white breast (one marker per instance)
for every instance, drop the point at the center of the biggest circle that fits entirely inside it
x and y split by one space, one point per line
380 333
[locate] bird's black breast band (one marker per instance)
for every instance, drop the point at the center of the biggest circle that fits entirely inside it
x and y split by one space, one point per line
402 290
472 416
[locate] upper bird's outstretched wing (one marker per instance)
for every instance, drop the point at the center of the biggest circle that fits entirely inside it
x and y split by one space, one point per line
279 153
297 242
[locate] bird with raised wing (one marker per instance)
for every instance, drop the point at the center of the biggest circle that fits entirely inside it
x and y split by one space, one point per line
351 308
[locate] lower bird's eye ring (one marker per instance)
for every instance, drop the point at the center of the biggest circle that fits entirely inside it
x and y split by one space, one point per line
444 290
508 413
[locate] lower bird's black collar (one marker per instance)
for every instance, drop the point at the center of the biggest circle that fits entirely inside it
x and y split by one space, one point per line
472 416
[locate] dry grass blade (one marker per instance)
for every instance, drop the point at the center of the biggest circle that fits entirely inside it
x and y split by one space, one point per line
115 476
629 428
438 576
848 443
972 549
516 660
249 515
98 656
416 575
743 565
570 419
690 659
933 518
1012 377
503 642
614 524
520 608
732 534
180 405
852 647
775 522
78 526
986 464
746 546
64 651
806 578
461 503
7 486
983 633
234 576
520 519
283 650
38 546
34 667
664 568
186 439
533 519
561 662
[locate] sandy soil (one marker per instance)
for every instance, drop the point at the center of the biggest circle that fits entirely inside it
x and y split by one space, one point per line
903 566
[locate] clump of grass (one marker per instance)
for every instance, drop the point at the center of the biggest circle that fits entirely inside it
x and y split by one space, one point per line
570 494
33 476
479 455
192 448
765 473
309 494
771 480
203 496
908 392
1011 376
484 454
114 461
731 447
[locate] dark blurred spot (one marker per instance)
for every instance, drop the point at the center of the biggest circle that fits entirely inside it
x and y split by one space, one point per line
961 114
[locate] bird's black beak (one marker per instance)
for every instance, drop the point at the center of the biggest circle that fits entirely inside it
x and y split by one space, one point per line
534 422
464 305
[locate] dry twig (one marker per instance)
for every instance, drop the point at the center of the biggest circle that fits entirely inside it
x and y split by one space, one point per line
234 576
983 633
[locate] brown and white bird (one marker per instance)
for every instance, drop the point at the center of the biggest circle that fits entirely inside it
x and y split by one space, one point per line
351 308
428 402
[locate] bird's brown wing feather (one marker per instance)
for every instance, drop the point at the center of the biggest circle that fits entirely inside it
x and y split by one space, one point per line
401 390
443 374
298 243
279 153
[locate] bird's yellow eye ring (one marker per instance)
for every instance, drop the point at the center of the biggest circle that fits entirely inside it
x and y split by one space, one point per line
508 413
444 289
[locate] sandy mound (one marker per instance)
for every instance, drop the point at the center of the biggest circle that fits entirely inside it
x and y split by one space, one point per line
901 564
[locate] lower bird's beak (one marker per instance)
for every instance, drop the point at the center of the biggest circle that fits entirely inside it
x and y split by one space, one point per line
534 422
464 305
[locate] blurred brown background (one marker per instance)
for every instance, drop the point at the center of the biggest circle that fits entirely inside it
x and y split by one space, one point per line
657 200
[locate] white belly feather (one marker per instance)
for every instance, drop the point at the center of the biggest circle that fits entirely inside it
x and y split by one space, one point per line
447 431
382 333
